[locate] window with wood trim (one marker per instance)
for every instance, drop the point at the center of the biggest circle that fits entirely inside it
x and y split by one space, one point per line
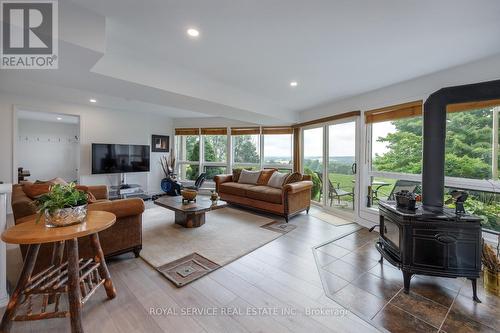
278 147
245 143
187 149
396 138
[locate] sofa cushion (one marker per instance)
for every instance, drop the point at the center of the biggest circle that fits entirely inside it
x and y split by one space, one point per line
234 188
277 179
265 175
265 193
249 177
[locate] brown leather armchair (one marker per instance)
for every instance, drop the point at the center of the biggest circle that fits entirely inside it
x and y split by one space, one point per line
123 236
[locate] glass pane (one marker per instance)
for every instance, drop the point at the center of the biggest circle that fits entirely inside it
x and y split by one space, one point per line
215 147
483 204
341 164
246 148
189 171
397 145
212 171
384 189
188 147
313 160
278 149
469 148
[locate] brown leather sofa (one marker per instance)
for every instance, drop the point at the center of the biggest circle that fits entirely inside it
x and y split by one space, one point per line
287 201
123 236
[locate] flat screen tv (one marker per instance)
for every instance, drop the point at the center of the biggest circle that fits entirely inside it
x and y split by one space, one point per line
111 158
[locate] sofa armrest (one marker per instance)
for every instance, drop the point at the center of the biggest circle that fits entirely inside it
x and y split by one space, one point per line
121 208
100 192
220 179
304 185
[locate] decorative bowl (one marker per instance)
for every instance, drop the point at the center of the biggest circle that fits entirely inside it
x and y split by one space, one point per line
189 195
66 216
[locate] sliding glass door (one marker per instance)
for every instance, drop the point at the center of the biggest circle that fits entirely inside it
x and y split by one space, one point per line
341 167
329 155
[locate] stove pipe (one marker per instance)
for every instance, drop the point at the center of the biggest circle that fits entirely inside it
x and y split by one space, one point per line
434 134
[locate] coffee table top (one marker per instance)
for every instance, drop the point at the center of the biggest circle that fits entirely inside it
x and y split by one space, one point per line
30 232
202 204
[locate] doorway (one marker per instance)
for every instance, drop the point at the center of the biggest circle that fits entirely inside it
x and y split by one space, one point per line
330 156
46 146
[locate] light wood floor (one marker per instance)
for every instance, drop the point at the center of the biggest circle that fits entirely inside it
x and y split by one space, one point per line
279 275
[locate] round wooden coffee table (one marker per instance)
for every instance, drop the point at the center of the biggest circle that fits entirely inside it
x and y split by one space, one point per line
79 278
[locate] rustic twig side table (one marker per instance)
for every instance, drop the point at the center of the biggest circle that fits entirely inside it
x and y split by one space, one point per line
77 277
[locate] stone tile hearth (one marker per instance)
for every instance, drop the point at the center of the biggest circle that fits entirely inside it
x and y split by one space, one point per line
353 277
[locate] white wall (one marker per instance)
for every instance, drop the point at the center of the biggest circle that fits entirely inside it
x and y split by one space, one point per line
48 149
97 125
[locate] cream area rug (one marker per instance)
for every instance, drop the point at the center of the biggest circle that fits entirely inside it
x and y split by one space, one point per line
329 218
227 234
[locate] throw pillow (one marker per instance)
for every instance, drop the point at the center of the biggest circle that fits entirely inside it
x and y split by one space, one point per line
58 180
249 177
236 174
277 179
35 190
265 175
293 178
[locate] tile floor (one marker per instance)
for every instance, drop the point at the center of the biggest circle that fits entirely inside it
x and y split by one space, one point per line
353 277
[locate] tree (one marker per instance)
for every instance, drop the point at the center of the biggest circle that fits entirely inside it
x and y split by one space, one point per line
468 155
245 151
468 146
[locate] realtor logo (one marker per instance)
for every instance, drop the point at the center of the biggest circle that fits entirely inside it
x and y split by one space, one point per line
29 34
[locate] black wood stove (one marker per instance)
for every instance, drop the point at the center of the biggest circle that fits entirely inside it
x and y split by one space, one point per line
433 240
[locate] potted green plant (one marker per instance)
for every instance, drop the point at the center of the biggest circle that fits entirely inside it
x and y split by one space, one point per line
63 205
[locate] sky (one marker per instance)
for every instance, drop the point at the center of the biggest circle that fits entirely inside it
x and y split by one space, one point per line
342 139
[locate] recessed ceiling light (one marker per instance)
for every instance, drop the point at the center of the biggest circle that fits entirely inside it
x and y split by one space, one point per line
59 118
93 100
193 32
294 84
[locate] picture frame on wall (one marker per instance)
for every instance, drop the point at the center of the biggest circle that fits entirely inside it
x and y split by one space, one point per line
160 143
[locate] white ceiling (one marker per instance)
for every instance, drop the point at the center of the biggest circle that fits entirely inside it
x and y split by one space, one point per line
248 52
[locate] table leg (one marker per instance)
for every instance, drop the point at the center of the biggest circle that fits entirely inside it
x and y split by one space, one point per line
74 296
103 268
190 220
57 256
29 264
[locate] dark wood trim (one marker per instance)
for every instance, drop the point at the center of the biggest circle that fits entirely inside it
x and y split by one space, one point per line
393 112
187 131
328 119
214 131
458 107
245 130
277 130
297 160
